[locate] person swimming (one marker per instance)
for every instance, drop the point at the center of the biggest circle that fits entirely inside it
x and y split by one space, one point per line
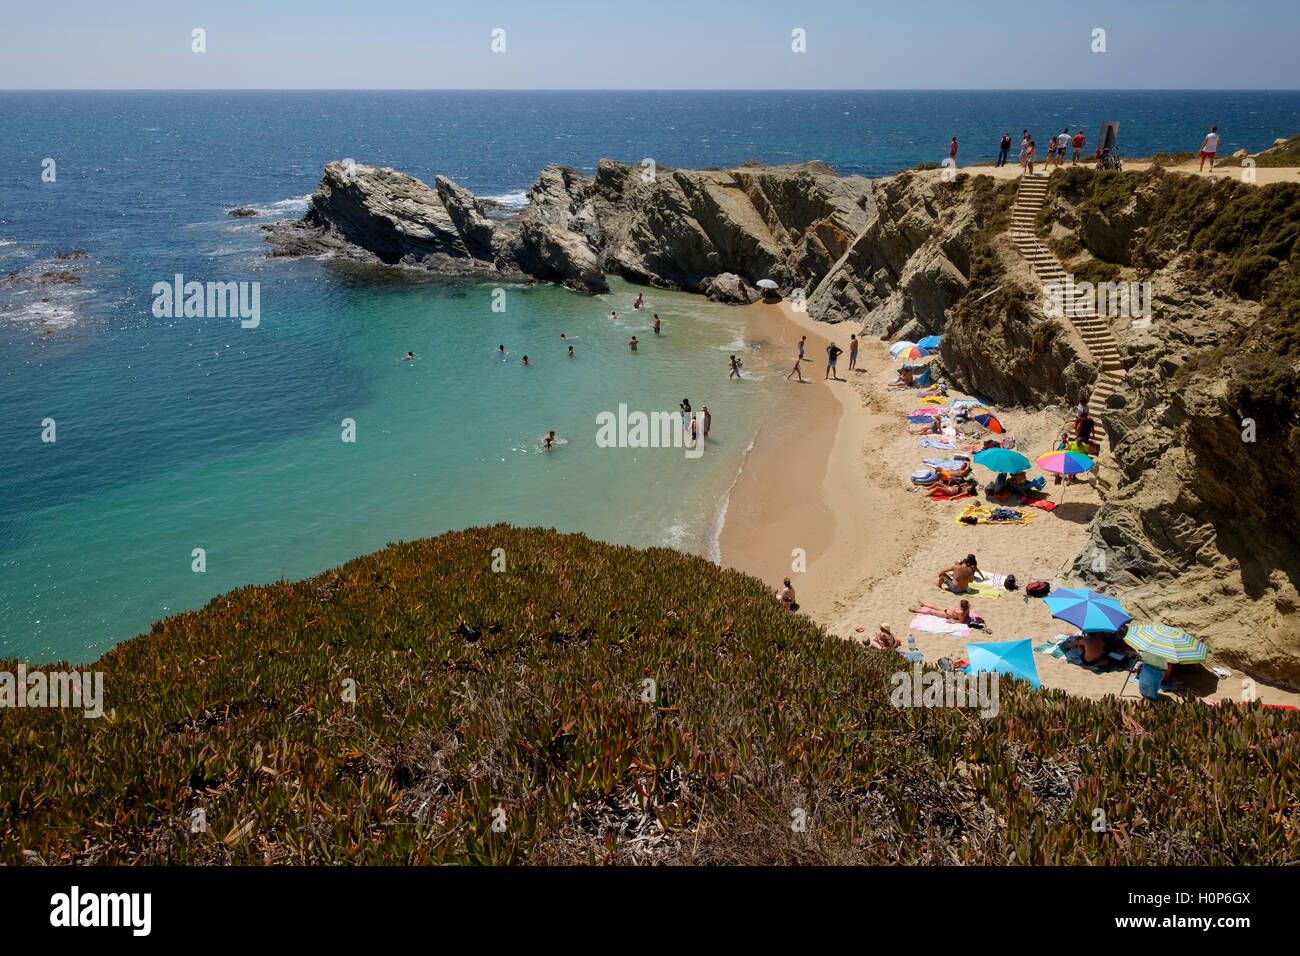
613 316
409 357
549 441
570 351
525 361
501 350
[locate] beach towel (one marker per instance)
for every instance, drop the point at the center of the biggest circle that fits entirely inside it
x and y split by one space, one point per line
931 399
919 419
966 403
938 625
1044 504
983 514
984 589
1050 648
935 443
998 581
948 464
930 412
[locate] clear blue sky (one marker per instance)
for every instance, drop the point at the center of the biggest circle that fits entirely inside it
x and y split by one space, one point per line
650 44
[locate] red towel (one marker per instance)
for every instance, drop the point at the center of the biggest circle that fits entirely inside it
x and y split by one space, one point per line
935 496
1044 504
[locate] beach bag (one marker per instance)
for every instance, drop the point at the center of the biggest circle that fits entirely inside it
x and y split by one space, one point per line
1010 583
1038 589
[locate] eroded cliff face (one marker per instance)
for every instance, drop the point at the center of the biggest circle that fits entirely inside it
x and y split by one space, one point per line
1200 524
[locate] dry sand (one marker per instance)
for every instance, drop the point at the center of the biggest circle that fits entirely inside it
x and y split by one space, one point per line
830 474
1263 174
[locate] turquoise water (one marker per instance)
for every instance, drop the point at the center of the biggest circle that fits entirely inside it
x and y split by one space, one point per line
176 434
449 440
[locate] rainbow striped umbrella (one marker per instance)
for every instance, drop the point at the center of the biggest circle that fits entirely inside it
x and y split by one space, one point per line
908 350
1064 462
989 422
1167 642
1087 610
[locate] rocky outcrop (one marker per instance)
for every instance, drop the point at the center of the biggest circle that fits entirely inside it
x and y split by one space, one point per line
672 228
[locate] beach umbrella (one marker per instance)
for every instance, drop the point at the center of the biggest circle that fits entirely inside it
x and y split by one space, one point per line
929 343
989 422
1167 642
1087 610
1013 658
1064 462
1002 460
765 284
906 350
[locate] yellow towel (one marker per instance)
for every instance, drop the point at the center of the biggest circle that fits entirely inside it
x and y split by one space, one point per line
981 514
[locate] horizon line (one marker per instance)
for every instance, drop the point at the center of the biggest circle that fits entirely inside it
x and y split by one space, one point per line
452 89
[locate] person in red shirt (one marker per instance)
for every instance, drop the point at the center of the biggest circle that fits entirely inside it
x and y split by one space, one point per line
1078 147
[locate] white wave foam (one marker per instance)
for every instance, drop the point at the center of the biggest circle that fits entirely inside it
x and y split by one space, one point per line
294 204
515 200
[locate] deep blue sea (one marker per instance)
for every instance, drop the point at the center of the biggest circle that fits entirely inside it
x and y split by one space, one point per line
180 433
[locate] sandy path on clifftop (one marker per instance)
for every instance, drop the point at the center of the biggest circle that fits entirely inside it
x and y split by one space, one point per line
829 473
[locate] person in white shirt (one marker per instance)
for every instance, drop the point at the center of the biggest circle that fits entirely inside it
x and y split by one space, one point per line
1210 147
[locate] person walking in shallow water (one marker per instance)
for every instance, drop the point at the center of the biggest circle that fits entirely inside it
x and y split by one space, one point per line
735 367
795 370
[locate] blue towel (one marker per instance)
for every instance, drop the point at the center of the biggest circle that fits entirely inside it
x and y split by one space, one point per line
935 443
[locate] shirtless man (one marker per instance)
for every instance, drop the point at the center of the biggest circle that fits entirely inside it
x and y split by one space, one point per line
632 343
958 577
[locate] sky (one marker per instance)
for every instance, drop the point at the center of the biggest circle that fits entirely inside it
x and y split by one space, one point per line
650 44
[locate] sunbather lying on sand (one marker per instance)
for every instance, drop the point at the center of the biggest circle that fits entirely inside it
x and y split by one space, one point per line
950 489
904 379
1093 645
953 474
958 615
934 428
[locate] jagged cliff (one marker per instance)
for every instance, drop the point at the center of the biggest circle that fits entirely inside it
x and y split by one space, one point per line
1198 527
672 228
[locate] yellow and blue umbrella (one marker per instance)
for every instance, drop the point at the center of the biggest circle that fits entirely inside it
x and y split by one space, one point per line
1087 610
1167 642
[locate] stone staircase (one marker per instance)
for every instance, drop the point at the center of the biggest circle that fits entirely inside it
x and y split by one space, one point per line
1094 329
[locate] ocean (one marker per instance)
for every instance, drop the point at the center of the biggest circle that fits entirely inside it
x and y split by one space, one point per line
177 434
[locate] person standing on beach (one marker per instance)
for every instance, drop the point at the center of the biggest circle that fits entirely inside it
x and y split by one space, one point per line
735 367
1079 140
1062 144
952 150
802 341
795 370
853 352
656 323
632 343
1029 157
1209 148
1024 152
1004 148
744 294
706 421
832 356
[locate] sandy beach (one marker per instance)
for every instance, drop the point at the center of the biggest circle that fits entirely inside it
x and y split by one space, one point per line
830 474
